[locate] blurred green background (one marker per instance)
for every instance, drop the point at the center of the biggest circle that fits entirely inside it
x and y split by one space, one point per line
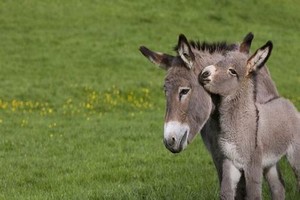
81 110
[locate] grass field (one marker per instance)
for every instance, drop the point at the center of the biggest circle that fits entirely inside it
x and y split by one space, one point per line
81 110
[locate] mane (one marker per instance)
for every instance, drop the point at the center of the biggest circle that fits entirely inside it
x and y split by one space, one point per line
211 47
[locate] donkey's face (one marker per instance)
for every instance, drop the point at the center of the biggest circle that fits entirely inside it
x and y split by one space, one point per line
188 107
227 76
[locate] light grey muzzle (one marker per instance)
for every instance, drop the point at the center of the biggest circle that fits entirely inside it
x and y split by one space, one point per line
204 77
171 143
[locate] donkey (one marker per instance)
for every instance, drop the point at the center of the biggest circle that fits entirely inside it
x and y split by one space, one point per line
191 109
253 136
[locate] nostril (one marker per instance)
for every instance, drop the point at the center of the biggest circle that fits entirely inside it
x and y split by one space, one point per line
205 74
170 142
173 139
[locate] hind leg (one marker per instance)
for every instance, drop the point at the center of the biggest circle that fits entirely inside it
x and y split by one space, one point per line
275 182
293 157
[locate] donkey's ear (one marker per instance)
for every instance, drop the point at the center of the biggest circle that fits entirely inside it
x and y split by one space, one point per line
259 58
163 60
246 44
185 52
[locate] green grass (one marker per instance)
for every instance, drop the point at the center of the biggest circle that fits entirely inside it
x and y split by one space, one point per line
81 110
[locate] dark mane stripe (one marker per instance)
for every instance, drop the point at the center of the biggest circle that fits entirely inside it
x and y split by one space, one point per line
211 47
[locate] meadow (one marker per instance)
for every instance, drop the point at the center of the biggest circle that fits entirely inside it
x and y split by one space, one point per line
82 111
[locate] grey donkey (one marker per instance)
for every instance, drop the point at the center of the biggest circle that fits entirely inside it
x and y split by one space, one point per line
253 136
190 108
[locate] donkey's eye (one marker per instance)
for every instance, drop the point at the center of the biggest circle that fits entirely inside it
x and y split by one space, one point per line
186 55
232 72
182 92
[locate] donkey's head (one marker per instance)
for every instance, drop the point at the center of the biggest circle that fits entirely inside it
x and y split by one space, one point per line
227 76
188 104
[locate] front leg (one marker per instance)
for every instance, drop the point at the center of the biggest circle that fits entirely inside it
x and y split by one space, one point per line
209 135
253 175
230 178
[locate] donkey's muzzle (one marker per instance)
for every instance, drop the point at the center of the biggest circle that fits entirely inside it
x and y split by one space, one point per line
174 145
204 77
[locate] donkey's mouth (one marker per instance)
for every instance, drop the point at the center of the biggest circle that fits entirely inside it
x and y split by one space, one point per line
183 140
204 81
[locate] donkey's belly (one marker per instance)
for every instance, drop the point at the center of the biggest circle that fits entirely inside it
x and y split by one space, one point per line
271 159
230 150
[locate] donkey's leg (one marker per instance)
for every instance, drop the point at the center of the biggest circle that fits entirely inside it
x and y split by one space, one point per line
253 174
209 136
241 186
230 178
293 157
275 181
253 177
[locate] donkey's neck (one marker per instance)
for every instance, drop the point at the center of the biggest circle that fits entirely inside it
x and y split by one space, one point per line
238 124
244 95
238 112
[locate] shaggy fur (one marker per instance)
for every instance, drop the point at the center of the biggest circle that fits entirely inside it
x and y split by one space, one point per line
252 136
211 47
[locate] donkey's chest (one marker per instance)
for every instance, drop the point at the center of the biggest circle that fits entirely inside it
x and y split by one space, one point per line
238 132
232 151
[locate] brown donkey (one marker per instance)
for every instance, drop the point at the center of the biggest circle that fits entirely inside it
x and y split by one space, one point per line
253 136
191 109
